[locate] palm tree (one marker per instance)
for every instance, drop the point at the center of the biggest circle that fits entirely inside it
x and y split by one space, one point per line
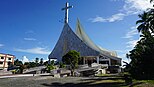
142 56
151 20
151 16
147 21
144 22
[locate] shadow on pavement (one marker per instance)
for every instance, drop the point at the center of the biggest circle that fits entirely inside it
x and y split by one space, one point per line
92 83
57 84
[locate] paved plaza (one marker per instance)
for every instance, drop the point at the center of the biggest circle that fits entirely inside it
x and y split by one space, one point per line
49 81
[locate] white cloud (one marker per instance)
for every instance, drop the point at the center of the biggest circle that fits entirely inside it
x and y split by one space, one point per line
120 51
44 60
136 6
130 7
122 54
113 18
116 17
97 19
131 44
1 45
30 39
131 33
132 41
29 32
25 59
37 50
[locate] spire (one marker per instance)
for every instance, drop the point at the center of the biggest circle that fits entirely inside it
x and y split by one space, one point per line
66 11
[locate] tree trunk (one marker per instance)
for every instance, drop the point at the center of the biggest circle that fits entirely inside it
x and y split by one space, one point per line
72 72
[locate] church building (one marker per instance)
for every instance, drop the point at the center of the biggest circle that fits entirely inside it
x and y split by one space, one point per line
79 41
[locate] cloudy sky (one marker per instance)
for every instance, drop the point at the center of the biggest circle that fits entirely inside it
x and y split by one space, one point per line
31 28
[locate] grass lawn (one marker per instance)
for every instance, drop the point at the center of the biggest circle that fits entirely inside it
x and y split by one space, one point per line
120 79
143 83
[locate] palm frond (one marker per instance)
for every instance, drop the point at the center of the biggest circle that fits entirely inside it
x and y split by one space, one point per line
140 27
139 21
151 1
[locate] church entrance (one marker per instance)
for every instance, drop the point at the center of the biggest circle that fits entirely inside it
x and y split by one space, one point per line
88 60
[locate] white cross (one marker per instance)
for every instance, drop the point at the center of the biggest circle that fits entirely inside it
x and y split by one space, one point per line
66 11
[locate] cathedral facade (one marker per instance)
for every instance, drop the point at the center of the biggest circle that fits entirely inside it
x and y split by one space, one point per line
80 42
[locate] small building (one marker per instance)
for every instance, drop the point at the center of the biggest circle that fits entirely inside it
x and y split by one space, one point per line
6 60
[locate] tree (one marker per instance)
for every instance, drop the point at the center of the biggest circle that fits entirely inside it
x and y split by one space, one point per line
62 65
17 62
45 63
151 1
30 64
147 21
41 61
72 59
144 22
50 66
142 56
36 60
151 19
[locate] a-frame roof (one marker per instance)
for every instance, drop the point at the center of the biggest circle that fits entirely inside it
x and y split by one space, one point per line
80 42
68 40
84 37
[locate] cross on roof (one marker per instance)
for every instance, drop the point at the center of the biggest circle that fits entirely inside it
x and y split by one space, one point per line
66 11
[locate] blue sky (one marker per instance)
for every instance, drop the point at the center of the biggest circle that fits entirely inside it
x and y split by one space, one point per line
31 28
